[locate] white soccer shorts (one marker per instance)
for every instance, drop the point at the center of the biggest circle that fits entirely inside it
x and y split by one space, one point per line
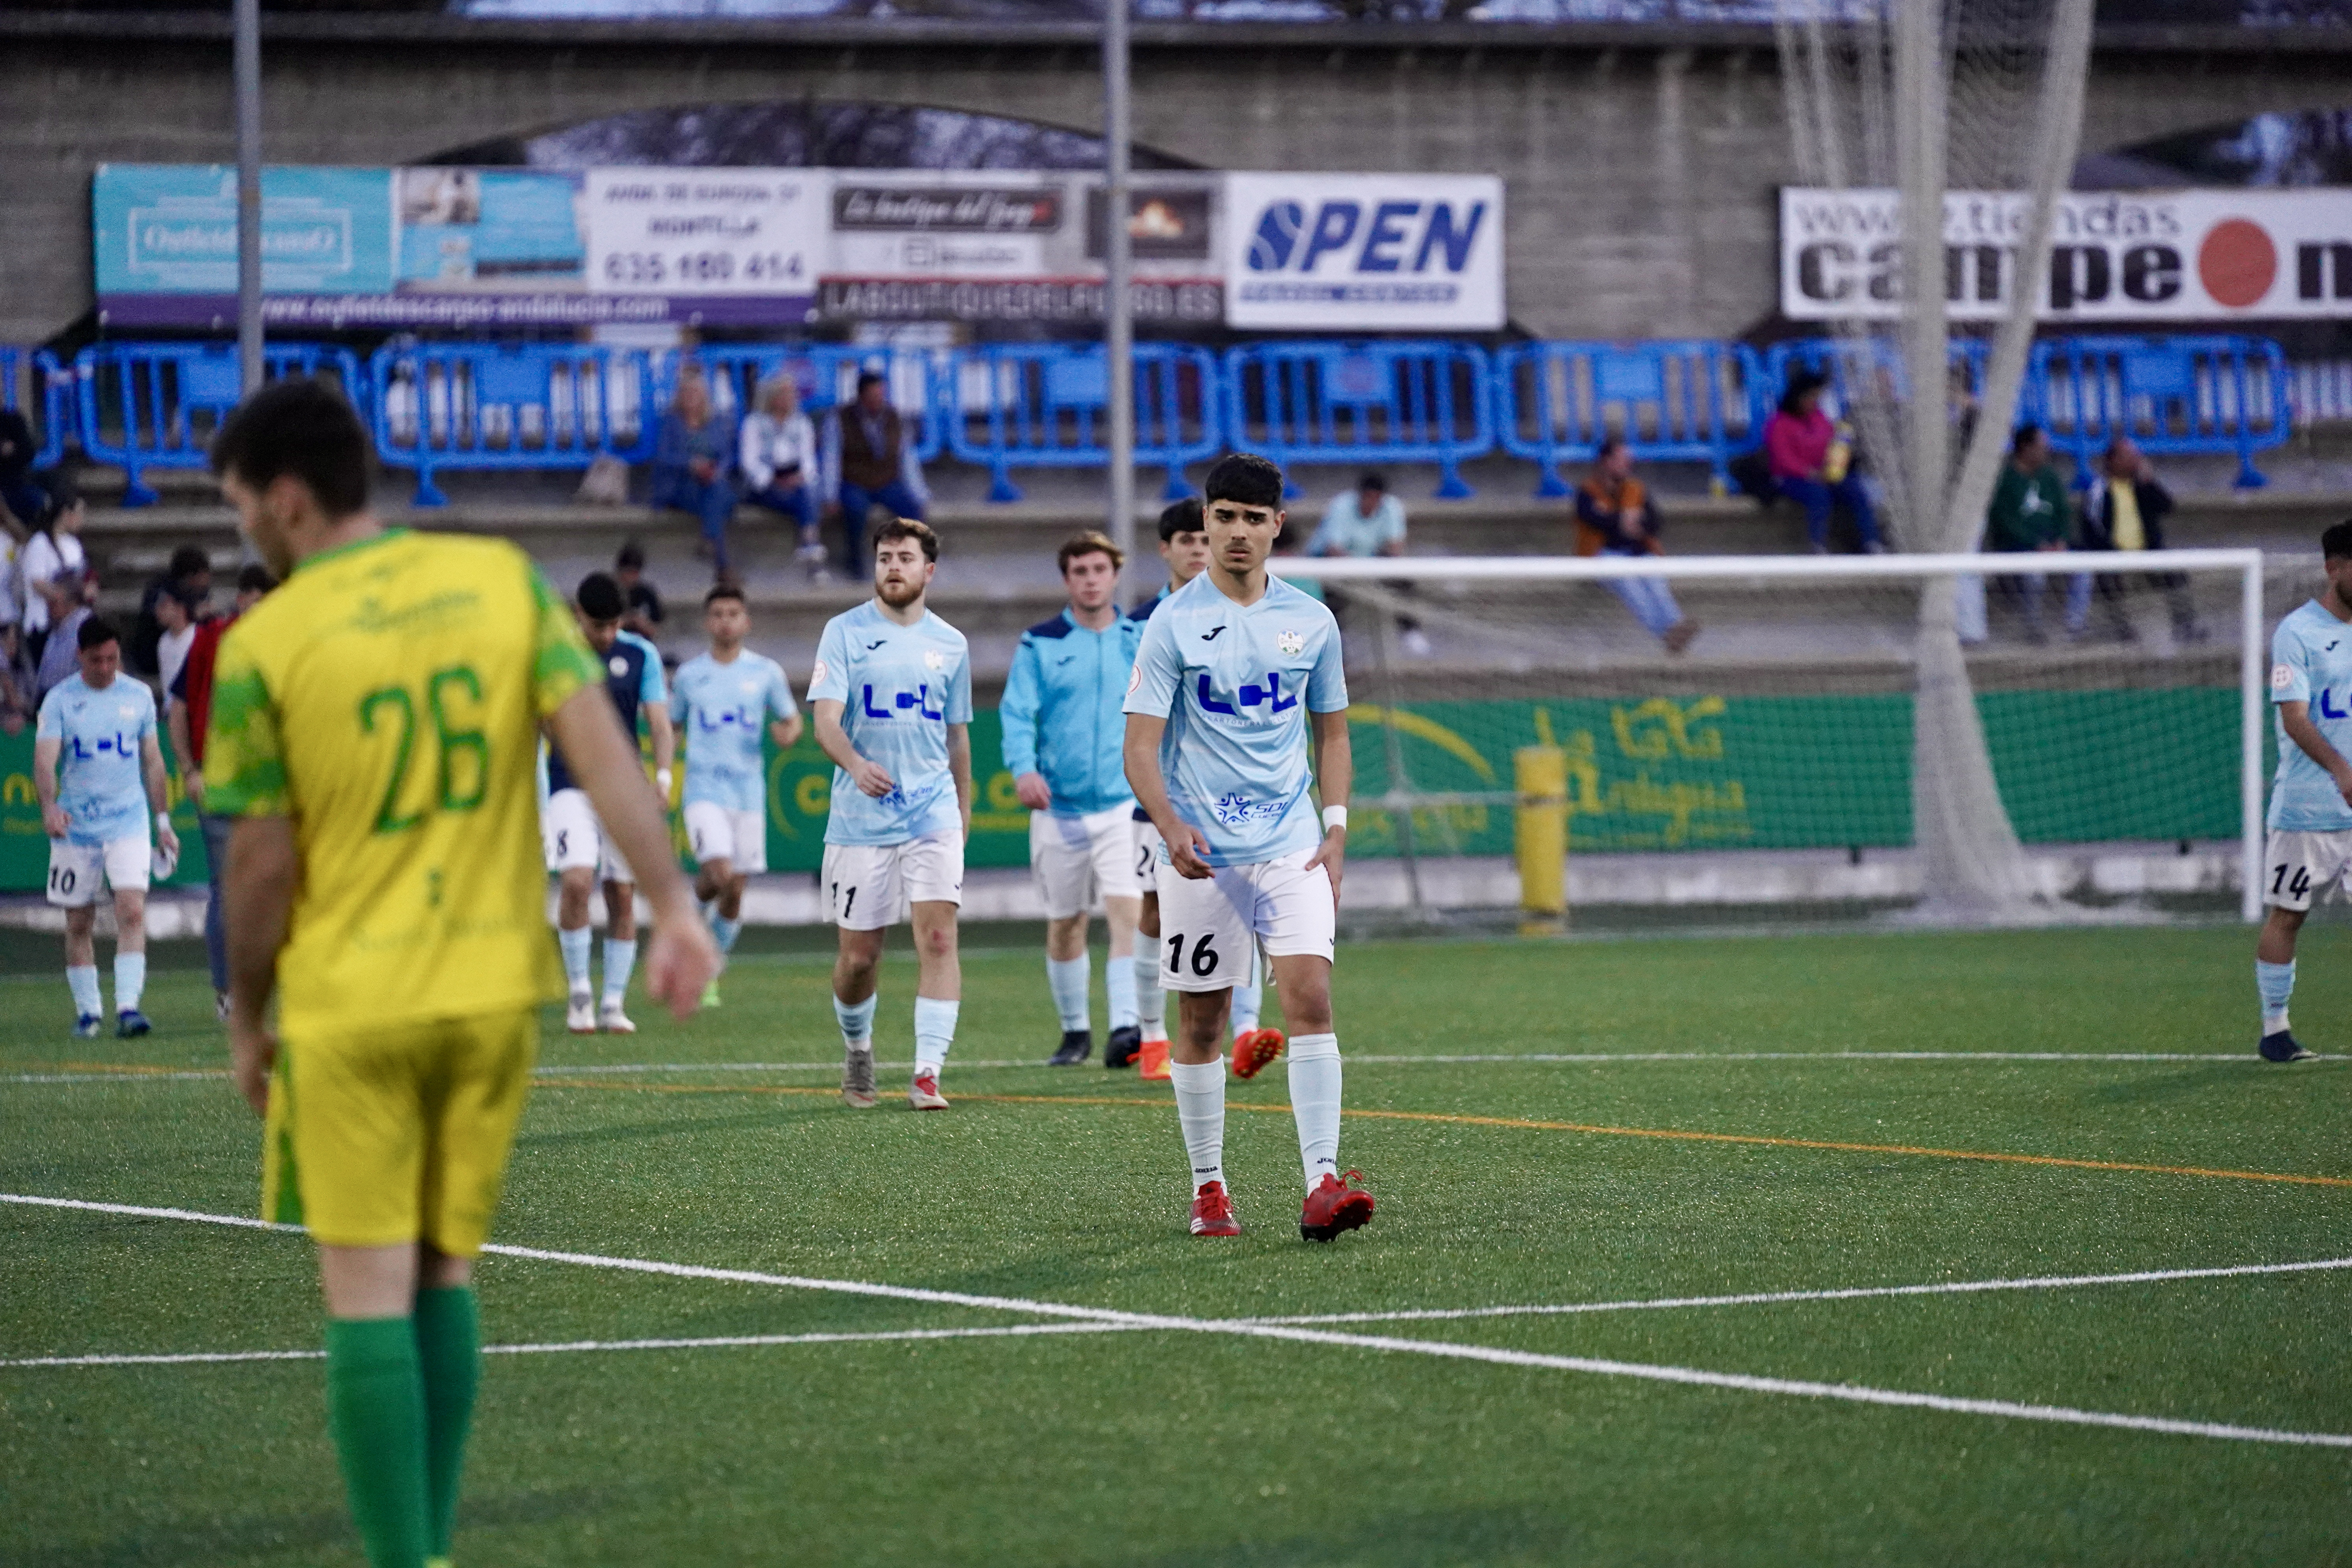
1147 857
869 886
1076 859
2298 866
1205 926
575 838
79 872
737 838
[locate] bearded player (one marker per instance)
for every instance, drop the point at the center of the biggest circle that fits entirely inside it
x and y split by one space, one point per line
1239 675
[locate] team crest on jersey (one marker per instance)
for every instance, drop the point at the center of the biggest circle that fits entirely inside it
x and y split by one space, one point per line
935 661
816 676
2281 678
617 664
1291 643
1135 678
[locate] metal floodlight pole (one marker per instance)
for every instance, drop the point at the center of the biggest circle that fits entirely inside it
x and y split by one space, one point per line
1118 322
248 193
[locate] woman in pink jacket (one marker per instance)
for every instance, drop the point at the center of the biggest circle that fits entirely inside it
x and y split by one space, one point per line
1797 443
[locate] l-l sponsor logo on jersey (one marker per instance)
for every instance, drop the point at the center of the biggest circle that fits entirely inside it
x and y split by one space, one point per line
2328 709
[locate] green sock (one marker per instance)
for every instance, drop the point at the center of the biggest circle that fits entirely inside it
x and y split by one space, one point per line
448 1345
375 1405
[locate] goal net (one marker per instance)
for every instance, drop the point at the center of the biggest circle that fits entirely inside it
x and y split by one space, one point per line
1772 761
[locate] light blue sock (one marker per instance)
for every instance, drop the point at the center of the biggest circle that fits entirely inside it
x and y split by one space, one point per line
724 932
856 1021
620 962
2276 983
130 980
1118 980
1245 1001
935 1023
1069 978
1150 997
81 979
574 947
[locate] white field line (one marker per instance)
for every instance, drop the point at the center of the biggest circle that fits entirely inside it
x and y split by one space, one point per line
1489 1354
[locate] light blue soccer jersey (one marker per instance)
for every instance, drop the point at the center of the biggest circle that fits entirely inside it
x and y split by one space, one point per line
100 782
2311 661
723 710
1235 685
899 688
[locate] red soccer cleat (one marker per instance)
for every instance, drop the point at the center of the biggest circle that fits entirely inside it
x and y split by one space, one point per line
1334 1206
1213 1211
1255 1050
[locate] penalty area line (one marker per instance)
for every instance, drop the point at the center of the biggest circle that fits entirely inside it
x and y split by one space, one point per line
1847 1393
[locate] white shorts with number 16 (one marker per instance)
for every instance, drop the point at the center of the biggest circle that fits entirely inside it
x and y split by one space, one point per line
1205 926
2298 866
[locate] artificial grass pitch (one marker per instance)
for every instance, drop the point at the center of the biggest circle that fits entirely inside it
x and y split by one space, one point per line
1501 1182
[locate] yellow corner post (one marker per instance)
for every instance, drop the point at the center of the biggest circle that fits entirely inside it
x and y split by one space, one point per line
1540 833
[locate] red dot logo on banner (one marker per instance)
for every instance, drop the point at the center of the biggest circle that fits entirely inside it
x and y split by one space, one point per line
2237 263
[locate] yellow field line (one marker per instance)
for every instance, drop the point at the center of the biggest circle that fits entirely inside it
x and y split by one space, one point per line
1522 1124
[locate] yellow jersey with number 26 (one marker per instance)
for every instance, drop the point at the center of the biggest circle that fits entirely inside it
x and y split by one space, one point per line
387 699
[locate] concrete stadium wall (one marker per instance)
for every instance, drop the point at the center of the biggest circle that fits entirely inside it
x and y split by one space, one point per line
1641 164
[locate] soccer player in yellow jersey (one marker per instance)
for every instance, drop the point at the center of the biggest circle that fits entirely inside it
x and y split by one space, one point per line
374 729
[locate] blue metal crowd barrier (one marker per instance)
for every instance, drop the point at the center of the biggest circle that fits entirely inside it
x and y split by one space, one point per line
1686 400
2169 396
825 376
1847 361
1390 402
518 405
1044 405
155 405
50 401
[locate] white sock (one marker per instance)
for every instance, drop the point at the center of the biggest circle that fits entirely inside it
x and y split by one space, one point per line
620 962
1150 999
1245 1001
856 1021
1069 978
81 979
130 980
935 1023
574 946
1201 1112
1314 1103
1118 980
724 932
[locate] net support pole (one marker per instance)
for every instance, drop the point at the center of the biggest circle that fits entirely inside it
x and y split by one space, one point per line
247 79
1119 313
2250 744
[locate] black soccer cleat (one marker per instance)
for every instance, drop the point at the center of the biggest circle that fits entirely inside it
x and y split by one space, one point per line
1078 1045
2282 1047
1126 1044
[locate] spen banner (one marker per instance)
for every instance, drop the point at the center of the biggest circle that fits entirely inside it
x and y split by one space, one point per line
2115 255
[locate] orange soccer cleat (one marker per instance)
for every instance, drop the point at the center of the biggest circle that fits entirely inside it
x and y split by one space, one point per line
1255 1050
1152 1061
1334 1206
1213 1211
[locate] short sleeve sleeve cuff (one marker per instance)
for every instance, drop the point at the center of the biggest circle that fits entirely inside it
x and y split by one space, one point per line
245 763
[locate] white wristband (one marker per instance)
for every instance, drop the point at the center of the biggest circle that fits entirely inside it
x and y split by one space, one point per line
661 782
1335 816
162 819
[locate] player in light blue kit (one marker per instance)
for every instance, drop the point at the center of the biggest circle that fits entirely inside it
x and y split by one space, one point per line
99 769
1236 673
2311 803
892 695
721 702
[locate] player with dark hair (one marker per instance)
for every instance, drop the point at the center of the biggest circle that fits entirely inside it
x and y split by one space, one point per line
726 701
578 851
892 694
374 726
1239 677
98 768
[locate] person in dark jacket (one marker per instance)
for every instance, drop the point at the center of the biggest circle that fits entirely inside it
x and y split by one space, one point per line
20 492
691 463
869 460
1616 515
2124 514
2032 514
189 579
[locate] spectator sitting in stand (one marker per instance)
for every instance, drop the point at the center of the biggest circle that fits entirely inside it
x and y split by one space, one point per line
869 462
642 614
190 575
177 615
53 549
777 454
1813 467
2032 514
69 597
2125 513
1616 516
21 495
690 466
1364 522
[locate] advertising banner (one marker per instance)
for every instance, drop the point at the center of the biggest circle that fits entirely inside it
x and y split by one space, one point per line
2202 256
1364 252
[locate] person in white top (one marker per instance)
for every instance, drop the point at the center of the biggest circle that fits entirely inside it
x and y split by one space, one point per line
776 452
54 551
177 617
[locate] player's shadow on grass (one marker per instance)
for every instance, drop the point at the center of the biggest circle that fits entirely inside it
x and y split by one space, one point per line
1499 1535
292 1536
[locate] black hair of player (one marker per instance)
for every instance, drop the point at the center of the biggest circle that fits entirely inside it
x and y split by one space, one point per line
300 428
2026 435
256 579
188 560
1243 476
630 557
600 597
912 527
96 632
2336 545
1180 517
725 591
